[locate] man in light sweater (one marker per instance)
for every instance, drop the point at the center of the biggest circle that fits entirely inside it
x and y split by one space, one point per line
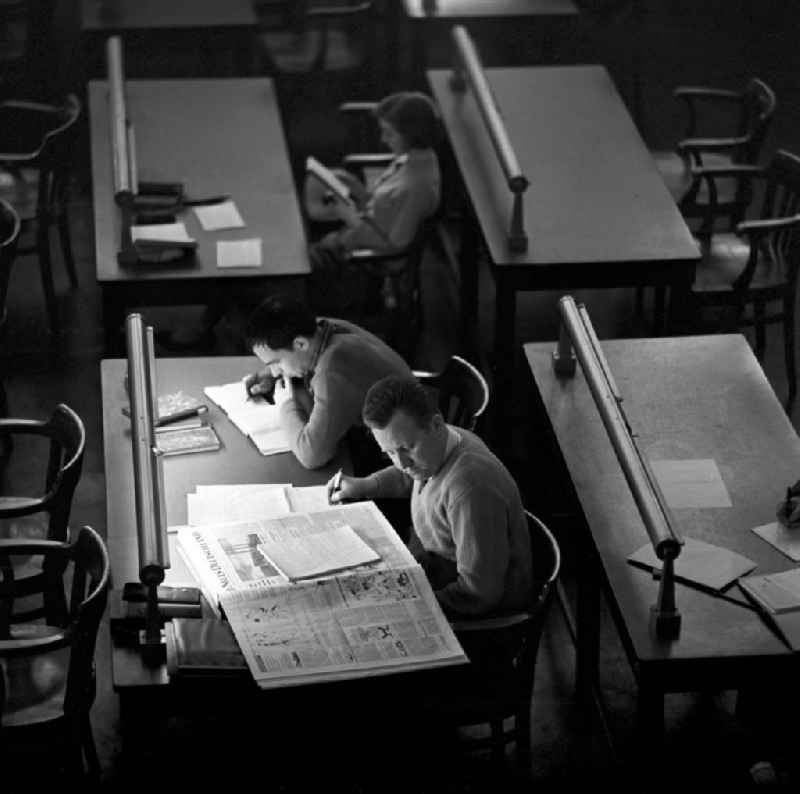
318 370
470 532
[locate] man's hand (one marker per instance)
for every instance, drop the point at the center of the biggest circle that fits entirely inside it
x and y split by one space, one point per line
284 390
260 384
344 488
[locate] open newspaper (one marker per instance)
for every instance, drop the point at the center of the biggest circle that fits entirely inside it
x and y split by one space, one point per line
378 618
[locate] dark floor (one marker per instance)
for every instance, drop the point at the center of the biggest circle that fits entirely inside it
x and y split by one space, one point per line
717 42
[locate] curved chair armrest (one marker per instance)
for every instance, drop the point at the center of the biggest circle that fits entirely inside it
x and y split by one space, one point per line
374 255
423 373
333 12
20 104
739 170
25 506
690 93
21 425
366 160
357 107
691 145
763 228
36 645
27 546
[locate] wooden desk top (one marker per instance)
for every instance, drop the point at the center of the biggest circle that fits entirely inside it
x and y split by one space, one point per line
595 196
685 398
237 462
454 10
217 137
117 15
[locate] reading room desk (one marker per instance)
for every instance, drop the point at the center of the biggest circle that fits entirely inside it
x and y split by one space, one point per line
215 137
238 461
507 31
596 212
685 398
205 29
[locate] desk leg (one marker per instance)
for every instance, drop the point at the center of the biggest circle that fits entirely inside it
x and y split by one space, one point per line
649 724
587 651
504 327
680 294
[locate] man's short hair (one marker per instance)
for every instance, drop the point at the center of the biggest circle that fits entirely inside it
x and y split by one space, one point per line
396 393
413 115
277 321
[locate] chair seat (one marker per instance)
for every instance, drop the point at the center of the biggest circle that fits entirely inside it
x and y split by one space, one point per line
35 687
677 177
724 259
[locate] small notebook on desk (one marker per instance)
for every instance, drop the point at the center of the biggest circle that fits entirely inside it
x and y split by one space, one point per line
161 242
777 595
257 419
699 563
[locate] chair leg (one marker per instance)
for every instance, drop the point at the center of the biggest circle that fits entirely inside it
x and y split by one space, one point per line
46 268
789 347
90 749
522 725
759 324
66 248
498 744
659 310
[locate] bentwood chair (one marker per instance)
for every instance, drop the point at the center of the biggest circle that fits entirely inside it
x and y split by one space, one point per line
9 234
747 115
55 449
756 266
37 145
502 650
462 392
47 673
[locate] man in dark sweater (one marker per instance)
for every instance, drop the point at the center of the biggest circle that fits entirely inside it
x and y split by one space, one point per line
319 370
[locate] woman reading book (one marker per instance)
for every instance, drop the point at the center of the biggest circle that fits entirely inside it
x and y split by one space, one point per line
386 216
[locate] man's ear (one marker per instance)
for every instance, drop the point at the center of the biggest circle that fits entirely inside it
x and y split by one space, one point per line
437 421
301 344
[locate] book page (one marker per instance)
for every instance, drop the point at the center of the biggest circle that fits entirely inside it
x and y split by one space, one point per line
308 499
239 253
299 554
224 215
255 418
777 592
329 179
363 623
782 538
222 506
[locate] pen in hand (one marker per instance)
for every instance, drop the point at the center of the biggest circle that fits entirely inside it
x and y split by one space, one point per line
335 485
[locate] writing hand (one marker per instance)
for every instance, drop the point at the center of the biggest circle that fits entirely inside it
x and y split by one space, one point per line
343 488
260 385
283 391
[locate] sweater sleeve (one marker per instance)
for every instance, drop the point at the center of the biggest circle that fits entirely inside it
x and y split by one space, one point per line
479 522
314 436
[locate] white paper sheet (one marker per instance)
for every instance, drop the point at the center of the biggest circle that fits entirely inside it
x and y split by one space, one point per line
214 217
691 483
783 539
239 253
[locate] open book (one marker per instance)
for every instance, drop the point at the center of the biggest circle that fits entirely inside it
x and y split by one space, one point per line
776 592
379 618
257 419
329 179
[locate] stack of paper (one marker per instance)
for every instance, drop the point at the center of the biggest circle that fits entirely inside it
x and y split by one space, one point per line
222 504
257 419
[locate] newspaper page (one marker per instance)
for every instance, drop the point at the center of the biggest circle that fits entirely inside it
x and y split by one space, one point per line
235 503
227 558
360 624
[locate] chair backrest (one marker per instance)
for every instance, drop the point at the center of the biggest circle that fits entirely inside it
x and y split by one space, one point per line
781 201
41 137
9 234
67 437
758 109
461 390
88 559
